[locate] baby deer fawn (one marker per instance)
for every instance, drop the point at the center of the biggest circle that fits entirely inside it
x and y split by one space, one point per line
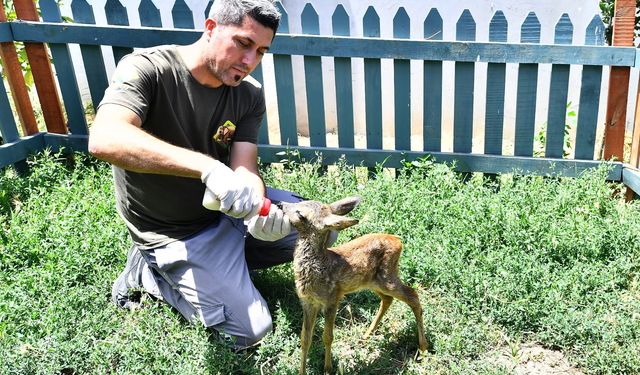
324 275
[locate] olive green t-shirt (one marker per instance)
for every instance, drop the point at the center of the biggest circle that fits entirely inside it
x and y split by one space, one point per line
157 86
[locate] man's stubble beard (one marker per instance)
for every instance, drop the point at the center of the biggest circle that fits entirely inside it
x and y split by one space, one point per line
220 76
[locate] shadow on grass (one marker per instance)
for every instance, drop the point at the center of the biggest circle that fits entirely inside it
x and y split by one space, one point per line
278 289
280 354
376 355
355 313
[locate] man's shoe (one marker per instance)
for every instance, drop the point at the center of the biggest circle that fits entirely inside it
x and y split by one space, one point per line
129 279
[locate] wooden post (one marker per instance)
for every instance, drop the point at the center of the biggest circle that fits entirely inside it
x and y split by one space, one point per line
18 87
623 25
42 73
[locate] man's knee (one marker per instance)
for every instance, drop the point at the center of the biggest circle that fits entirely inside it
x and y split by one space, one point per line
244 334
245 326
259 323
255 335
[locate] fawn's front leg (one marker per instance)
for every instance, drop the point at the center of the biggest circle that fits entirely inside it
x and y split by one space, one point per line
309 314
385 302
327 337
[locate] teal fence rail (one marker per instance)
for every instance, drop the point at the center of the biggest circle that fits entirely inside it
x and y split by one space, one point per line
465 53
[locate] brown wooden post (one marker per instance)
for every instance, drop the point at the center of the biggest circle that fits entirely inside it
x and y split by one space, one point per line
17 85
623 24
42 73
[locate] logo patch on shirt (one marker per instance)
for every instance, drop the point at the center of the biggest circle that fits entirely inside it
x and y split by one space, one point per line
124 75
224 134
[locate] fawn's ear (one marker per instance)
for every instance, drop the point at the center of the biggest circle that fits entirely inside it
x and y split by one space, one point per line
338 222
344 206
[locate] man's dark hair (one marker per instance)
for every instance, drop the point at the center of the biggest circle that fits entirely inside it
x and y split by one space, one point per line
232 12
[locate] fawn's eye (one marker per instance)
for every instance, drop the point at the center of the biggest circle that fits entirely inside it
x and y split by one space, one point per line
300 216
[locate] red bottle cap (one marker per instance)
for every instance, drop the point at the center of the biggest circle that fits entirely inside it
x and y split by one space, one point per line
266 206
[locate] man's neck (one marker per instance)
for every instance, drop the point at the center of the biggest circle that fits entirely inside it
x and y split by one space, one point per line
194 62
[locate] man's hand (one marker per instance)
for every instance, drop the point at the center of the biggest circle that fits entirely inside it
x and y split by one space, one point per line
237 196
272 227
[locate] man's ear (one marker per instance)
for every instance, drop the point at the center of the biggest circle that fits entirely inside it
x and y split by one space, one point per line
210 24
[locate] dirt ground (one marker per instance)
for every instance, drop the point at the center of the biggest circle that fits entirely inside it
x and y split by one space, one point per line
532 359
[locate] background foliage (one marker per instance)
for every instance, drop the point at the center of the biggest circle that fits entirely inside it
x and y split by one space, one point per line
10 12
607 8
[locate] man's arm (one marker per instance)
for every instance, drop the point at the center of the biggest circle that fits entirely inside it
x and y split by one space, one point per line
117 137
244 160
274 225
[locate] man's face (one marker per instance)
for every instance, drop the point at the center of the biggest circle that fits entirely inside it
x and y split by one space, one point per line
234 51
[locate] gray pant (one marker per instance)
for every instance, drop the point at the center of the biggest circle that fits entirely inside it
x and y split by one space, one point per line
206 277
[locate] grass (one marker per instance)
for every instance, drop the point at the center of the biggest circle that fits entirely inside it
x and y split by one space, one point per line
497 265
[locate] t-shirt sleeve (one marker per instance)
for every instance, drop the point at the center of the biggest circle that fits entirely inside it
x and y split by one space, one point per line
132 85
249 124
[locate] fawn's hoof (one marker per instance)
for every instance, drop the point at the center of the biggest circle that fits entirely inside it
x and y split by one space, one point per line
425 345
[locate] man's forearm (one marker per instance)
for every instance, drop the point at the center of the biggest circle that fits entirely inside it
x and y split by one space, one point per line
131 148
244 159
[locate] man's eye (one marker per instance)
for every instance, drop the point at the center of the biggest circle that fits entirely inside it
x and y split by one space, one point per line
243 43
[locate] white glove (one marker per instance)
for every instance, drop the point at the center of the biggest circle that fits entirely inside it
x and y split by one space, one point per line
237 196
272 227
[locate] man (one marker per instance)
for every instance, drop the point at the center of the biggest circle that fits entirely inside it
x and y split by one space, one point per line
177 120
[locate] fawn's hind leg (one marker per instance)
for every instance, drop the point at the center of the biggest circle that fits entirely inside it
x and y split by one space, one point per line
385 302
409 296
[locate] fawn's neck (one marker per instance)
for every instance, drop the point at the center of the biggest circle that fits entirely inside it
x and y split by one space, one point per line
310 254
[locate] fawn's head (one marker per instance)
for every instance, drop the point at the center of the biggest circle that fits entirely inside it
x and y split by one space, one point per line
316 217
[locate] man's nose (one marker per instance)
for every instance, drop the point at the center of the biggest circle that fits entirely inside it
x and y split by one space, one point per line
251 59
